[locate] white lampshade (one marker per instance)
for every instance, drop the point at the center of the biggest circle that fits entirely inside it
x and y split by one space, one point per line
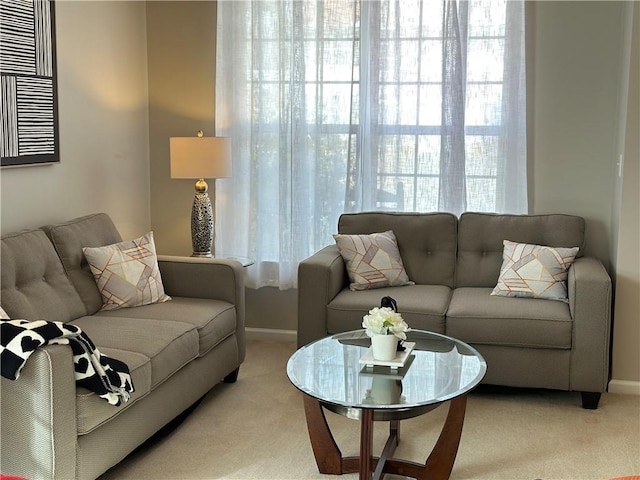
200 157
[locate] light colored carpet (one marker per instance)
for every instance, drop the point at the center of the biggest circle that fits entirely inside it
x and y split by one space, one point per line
255 429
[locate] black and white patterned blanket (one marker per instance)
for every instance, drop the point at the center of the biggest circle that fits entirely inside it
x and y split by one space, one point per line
106 376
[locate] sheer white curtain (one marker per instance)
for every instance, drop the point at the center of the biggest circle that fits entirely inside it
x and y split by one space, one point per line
345 105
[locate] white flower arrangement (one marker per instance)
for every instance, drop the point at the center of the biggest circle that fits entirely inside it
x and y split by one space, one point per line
385 321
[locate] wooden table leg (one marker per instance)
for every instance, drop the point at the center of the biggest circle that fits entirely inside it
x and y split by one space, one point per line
394 430
366 441
440 461
389 448
325 449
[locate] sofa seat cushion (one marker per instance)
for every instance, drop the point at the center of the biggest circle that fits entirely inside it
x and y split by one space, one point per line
169 345
423 307
214 320
92 411
477 317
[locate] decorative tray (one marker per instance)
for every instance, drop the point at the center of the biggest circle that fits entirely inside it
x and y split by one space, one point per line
398 362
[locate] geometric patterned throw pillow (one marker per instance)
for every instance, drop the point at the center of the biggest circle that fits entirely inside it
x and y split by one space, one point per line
373 261
534 271
127 273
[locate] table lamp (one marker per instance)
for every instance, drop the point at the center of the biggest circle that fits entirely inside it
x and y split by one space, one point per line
201 157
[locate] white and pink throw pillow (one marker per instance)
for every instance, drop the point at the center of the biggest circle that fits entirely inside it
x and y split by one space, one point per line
534 271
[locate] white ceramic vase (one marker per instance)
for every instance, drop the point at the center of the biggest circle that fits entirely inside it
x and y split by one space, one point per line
384 347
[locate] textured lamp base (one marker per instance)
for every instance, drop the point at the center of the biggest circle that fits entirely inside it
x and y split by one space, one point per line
201 225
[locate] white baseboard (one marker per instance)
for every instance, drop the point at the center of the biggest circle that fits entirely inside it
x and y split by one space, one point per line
273 334
624 387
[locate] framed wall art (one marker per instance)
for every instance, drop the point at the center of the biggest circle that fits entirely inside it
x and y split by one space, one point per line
28 83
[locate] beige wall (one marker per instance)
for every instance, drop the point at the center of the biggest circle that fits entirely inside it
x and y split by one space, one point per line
573 87
104 142
626 328
181 53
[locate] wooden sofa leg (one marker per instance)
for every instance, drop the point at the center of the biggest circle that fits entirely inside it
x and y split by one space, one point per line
233 376
590 400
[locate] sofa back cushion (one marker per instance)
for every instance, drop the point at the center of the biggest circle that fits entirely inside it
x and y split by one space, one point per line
427 241
33 283
480 237
96 230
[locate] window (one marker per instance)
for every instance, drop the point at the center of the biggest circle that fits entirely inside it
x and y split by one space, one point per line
346 105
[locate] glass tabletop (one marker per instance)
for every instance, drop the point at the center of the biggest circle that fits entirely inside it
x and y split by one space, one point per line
245 261
438 369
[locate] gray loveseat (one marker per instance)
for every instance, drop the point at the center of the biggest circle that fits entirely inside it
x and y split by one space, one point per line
176 351
455 263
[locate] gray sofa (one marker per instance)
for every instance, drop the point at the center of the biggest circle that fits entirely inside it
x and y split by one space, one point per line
176 351
455 263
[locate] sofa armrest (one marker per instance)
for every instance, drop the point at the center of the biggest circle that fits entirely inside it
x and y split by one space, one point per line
38 429
320 278
589 289
199 277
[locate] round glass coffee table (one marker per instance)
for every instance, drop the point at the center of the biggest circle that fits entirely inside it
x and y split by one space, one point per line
334 374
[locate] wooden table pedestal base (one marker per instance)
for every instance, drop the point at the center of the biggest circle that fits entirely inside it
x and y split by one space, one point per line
330 460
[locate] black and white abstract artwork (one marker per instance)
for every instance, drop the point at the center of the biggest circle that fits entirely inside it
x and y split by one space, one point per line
28 107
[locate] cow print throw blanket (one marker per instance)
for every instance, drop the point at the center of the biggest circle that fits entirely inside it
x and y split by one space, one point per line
107 377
